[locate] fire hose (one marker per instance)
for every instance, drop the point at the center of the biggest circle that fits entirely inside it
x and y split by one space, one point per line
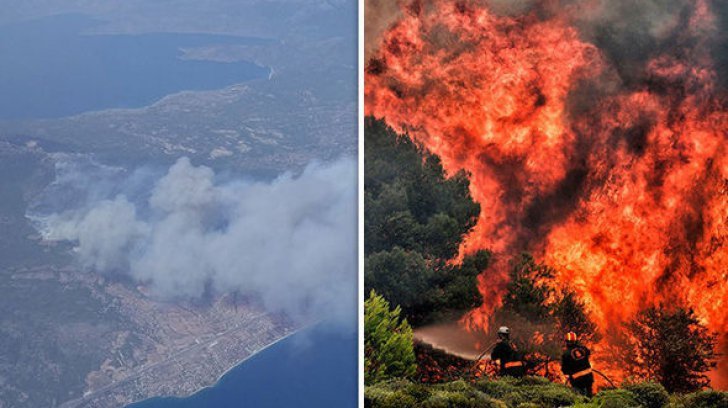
605 377
480 357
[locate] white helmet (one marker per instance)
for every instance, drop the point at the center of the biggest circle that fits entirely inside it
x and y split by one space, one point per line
503 330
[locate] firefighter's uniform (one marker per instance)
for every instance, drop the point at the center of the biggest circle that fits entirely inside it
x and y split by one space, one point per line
575 365
510 364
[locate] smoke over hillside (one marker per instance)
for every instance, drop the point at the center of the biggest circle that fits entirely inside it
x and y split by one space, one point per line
292 241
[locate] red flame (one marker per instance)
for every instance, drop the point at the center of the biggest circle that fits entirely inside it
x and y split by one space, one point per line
623 189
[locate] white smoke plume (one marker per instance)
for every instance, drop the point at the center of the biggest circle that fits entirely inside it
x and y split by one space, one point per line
292 241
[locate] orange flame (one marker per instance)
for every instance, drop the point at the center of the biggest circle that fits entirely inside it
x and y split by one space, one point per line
623 189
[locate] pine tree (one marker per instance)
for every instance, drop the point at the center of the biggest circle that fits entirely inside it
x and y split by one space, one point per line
571 316
416 218
388 347
541 313
672 347
530 288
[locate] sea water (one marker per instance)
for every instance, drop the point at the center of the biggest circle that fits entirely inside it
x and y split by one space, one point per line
316 367
56 66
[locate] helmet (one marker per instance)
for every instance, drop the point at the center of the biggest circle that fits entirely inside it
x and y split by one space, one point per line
571 337
504 331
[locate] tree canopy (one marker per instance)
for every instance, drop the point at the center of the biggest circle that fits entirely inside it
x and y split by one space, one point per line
416 217
540 311
671 346
388 348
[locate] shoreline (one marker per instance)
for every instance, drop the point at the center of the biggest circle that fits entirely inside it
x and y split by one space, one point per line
220 377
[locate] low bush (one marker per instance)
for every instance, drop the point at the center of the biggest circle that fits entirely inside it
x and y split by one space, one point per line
617 398
516 398
377 396
530 392
496 389
472 399
417 390
555 395
707 399
649 394
529 380
536 391
455 386
528 405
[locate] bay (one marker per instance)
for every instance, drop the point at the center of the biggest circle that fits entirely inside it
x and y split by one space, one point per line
56 66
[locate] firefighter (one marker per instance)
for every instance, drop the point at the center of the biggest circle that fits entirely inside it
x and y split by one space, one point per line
506 353
575 365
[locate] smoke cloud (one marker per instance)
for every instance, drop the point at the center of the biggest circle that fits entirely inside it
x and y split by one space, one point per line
378 16
292 241
628 32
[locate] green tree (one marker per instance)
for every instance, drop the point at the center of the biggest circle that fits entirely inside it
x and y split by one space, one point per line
542 312
425 290
670 346
404 278
457 284
409 200
415 219
530 288
571 316
388 347
533 293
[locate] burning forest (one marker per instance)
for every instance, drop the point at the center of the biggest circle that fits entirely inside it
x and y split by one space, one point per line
593 136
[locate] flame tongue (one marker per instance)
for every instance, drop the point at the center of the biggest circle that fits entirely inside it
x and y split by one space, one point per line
487 94
622 188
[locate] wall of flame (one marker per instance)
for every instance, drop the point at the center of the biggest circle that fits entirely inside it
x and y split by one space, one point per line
613 172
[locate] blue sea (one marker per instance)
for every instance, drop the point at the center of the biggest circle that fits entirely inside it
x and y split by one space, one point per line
54 67
316 367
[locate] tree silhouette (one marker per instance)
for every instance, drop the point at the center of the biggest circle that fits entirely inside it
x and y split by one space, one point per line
670 346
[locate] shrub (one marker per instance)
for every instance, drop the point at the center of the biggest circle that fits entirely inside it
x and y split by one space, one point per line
388 349
676 401
468 399
528 405
529 393
616 399
707 399
380 397
555 395
496 389
649 394
447 399
488 402
440 400
456 386
534 390
532 380
516 398
419 391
